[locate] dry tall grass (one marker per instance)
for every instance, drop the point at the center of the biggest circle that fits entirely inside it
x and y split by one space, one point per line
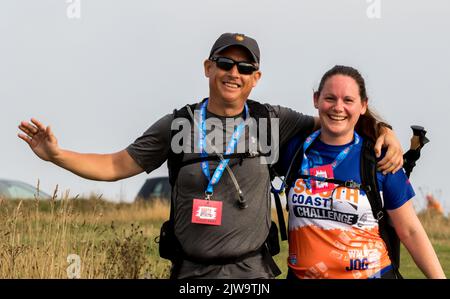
80 238
436 224
93 238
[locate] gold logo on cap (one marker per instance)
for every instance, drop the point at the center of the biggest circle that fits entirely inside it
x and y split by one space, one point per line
239 38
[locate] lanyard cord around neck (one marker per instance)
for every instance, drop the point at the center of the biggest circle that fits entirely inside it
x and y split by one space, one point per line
242 203
305 168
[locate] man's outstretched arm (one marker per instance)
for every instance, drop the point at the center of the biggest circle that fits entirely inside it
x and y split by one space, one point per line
99 167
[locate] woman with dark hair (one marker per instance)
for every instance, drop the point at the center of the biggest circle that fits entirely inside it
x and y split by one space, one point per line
332 230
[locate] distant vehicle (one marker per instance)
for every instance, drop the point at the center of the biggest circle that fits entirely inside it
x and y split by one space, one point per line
10 189
155 188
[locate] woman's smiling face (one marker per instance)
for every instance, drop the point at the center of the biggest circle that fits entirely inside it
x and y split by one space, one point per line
340 106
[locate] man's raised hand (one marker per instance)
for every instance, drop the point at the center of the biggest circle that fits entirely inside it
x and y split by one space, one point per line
40 139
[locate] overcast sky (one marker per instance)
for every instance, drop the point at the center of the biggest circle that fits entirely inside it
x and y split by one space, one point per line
102 79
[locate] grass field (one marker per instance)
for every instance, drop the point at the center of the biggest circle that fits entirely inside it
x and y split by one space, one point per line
92 238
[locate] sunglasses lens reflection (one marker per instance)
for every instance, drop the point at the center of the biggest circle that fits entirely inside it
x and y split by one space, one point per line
246 68
227 64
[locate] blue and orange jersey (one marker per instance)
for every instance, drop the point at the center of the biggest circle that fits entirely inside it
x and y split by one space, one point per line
333 233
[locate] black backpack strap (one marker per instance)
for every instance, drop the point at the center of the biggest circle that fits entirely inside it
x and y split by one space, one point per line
368 172
173 165
263 110
174 160
215 157
289 178
293 169
258 111
280 215
348 184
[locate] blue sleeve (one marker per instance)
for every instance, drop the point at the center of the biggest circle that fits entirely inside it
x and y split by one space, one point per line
396 188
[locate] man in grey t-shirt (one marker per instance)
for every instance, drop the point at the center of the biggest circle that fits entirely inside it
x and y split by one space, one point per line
242 230
209 224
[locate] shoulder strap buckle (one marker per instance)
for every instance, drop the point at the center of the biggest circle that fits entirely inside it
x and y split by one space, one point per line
380 215
352 184
252 154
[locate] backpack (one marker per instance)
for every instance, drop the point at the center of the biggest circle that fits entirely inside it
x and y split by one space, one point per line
369 183
175 161
169 246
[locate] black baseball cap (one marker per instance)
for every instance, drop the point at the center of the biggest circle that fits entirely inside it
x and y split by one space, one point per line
236 39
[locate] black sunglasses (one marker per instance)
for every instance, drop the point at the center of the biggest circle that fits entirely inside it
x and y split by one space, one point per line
226 64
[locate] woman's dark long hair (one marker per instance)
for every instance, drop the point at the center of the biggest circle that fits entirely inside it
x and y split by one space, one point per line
367 123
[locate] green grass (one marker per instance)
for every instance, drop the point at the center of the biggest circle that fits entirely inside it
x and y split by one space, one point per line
409 269
438 230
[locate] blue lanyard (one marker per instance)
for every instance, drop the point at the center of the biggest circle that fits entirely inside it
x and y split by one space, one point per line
342 155
230 148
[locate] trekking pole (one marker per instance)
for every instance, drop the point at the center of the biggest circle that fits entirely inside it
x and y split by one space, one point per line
418 140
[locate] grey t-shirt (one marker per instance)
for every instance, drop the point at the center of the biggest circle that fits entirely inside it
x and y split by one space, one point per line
242 230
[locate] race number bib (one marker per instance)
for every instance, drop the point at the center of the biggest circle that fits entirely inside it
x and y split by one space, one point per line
324 171
207 212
